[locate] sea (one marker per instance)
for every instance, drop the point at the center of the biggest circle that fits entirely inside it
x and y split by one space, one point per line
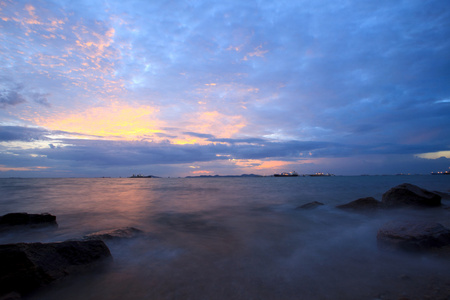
232 237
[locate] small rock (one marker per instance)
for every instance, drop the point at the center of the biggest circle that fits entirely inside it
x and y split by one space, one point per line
413 236
362 204
410 195
120 233
28 266
310 205
22 218
11 296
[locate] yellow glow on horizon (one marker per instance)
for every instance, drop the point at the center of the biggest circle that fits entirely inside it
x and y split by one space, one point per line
435 155
4 168
201 172
121 122
186 141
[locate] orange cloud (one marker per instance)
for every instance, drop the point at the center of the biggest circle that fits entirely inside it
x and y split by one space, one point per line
33 18
201 172
212 122
258 53
234 48
219 124
116 122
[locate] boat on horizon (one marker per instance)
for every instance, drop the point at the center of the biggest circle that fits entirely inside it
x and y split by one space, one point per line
441 173
286 174
321 174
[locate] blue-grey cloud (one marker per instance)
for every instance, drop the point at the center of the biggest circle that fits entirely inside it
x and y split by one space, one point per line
41 99
19 133
10 98
200 135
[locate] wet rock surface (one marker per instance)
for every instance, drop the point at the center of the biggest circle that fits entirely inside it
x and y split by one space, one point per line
26 219
26 267
362 204
112 234
310 205
413 236
407 194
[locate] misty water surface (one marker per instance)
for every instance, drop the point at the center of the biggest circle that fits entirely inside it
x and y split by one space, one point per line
230 238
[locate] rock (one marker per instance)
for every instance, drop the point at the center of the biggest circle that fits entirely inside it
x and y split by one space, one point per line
22 218
120 233
410 195
310 205
413 236
11 296
28 266
362 204
443 195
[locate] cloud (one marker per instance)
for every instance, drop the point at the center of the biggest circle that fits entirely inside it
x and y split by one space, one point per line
200 135
18 133
250 81
41 99
117 121
10 98
4 168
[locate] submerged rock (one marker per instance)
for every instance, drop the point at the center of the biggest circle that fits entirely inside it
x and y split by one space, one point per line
413 236
120 233
362 204
410 195
310 205
22 218
28 266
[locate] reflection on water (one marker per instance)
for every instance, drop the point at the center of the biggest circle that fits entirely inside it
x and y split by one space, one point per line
230 238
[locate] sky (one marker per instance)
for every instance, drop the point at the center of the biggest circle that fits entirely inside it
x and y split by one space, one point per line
183 88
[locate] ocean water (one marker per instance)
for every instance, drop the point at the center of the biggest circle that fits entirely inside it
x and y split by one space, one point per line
232 238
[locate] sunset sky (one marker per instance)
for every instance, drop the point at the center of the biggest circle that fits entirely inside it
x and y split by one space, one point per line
178 88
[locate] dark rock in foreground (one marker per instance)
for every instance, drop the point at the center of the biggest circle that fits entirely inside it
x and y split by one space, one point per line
11 296
362 204
120 233
413 236
310 205
410 195
13 219
28 266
